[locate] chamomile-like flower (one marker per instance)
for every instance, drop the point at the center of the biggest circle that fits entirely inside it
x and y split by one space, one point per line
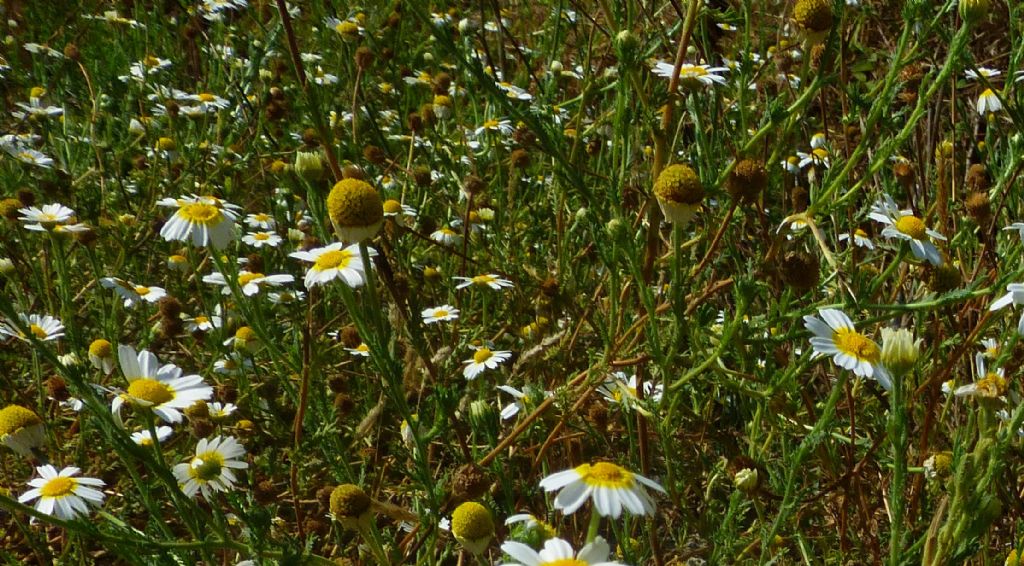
988 102
446 236
212 468
1014 295
489 280
131 293
101 355
61 494
442 313
689 73
333 261
484 358
260 239
45 218
558 552
21 429
860 239
161 389
611 487
622 391
987 384
45 328
260 220
904 225
251 283
526 398
835 335
205 220
144 438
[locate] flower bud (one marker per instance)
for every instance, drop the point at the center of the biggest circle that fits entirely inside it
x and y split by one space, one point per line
899 350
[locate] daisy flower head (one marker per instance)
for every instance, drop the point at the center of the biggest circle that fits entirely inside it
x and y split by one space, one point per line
161 389
972 75
21 429
260 220
692 75
262 238
212 468
1014 295
251 283
44 328
356 210
131 293
61 494
526 398
817 157
144 438
446 236
442 313
333 261
558 552
835 335
45 218
679 192
991 348
484 358
988 102
200 323
611 487
362 350
622 391
988 385
490 280
904 225
101 355
860 239
205 220
473 526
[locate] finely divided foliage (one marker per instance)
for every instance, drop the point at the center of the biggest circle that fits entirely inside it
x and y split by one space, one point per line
541 283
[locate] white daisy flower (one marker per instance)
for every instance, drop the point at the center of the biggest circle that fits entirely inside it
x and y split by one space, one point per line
446 236
205 220
904 225
61 494
45 328
818 157
988 102
36 109
503 127
212 468
987 384
362 350
161 389
991 347
689 73
622 391
834 335
860 239
1014 294
610 487
484 358
526 398
557 552
490 280
201 323
251 283
232 364
21 430
144 438
45 218
31 157
286 297
221 410
972 75
131 293
442 313
333 261
260 220
260 239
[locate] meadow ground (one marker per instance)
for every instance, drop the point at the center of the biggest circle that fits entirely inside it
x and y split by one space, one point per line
561 282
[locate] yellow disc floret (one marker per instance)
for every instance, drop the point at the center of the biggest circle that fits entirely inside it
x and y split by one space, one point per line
101 348
679 184
349 501
856 344
356 209
605 474
813 15
15 417
911 226
58 487
473 526
151 391
482 355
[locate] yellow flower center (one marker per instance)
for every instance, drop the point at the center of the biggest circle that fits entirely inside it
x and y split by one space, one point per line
440 313
14 418
605 474
854 343
200 213
483 279
692 71
58 487
565 562
333 259
37 331
150 61
820 153
246 278
491 124
177 259
482 355
150 390
992 385
347 28
206 466
860 233
201 319
392 206
142 290
363 348
206 97
911 226
101 348
262 236
245 334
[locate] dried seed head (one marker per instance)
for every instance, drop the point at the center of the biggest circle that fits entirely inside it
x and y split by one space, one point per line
979 207
800 270
977 178
747 181
469 482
